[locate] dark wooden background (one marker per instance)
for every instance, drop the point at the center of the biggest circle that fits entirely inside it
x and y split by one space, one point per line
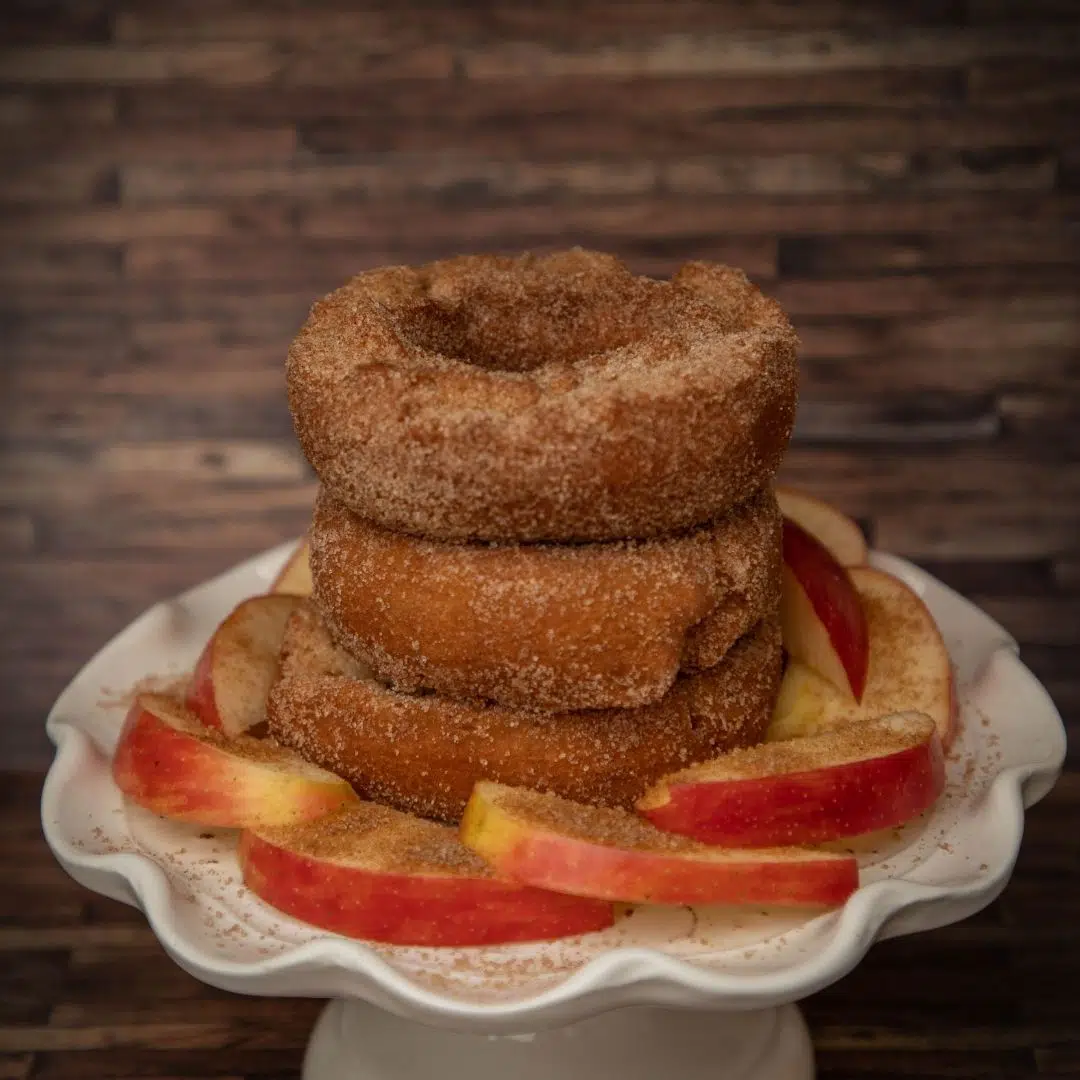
180 180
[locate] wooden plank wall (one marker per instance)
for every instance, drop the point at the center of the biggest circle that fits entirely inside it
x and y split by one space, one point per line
181 180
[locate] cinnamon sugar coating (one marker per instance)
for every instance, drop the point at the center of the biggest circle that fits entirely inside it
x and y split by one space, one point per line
423 753
591 626
379 840
554 398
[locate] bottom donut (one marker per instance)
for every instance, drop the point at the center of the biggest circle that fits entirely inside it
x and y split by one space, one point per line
423 753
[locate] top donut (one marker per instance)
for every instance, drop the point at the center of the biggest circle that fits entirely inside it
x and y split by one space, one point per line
533 398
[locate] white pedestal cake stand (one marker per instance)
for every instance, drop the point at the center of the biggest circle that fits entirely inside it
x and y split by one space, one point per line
666 992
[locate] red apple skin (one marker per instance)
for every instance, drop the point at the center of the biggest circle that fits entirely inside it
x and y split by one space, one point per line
838 532
646 878
200 777
200 695
412 909
910 669
239 664
653 870
807 807
817 588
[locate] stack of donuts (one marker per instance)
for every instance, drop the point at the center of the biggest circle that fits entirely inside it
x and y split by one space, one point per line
546 549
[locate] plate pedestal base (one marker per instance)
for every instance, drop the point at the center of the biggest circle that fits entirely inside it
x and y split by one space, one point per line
356 1041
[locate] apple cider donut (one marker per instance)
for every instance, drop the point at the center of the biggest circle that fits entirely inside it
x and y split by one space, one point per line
556 397
544 626
423 753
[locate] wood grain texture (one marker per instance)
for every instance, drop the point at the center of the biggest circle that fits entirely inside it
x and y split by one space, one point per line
180 185
182 181
86 992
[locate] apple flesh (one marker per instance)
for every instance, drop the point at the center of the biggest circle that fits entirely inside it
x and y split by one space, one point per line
240 663
373 873
873 774
294 578
829 526
552 843
170 763
909 669
821 615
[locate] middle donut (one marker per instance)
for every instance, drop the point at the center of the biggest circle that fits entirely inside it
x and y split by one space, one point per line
546 626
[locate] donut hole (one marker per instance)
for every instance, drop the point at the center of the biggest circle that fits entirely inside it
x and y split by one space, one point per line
543 398
517 331
520 323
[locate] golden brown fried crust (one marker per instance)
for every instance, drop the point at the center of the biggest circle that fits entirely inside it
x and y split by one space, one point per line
555 627
424 753
543 398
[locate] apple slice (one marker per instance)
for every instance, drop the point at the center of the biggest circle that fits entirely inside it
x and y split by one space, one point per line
874 774
294 578
821 616
835 530
170 763
371 872
552 843
240 663
909 668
